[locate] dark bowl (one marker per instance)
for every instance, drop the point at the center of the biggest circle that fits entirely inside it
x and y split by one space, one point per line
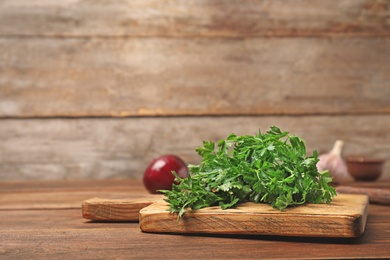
365 169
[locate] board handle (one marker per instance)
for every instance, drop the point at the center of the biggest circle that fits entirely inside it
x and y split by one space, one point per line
376 195
116 209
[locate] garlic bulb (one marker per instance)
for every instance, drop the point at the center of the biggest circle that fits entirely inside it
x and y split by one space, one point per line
334 162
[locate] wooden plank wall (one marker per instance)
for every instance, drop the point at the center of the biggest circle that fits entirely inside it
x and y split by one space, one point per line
96 89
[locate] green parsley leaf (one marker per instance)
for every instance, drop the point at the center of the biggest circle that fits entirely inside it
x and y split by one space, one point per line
269 167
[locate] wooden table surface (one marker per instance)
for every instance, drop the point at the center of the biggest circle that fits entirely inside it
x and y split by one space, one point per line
42 219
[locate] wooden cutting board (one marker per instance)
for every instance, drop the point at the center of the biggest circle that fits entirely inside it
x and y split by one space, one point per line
116 209
344 217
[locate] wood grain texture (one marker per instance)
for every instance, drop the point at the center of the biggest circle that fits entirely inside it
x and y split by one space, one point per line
116 209
64 234
127 209
214 18
88 185
73 200
376 195
38 234
345 217
123 147
166 77
196 60
38 195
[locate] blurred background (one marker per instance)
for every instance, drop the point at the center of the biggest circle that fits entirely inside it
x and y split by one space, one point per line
95 89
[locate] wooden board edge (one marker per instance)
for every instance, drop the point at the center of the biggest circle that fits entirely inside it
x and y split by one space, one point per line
331 226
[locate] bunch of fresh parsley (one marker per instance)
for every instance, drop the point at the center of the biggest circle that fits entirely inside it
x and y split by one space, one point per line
269 167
